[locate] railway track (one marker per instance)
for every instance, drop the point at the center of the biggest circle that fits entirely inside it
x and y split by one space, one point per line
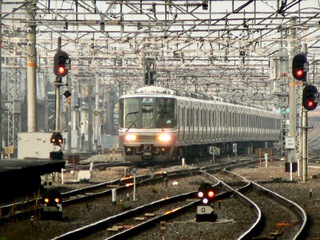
32 207
165 209
178 205
276 216
175 211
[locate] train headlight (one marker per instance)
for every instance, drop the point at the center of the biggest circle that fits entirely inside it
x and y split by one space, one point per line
57 200
46 200
131 137
164 137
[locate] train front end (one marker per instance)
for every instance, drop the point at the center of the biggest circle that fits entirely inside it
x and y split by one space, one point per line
147 128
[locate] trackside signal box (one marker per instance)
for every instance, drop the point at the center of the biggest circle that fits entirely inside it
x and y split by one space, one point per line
205 211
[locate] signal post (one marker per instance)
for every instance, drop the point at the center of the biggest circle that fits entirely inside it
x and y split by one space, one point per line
310 100
60 68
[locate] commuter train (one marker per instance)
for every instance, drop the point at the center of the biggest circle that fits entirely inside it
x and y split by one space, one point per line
158 124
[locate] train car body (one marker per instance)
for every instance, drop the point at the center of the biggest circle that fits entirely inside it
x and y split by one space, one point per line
158 124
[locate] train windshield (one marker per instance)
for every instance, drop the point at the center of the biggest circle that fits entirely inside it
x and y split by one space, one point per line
148 112
166 116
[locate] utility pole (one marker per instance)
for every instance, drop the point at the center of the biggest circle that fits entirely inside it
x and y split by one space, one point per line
1 79
305 136
96 115
57 93
291 162
31 67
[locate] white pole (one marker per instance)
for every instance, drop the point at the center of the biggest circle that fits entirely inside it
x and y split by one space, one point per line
266 159
134 187
62 176
114 195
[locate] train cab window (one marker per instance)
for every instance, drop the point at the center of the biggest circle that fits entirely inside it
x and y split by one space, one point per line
147 112
166 113
129 108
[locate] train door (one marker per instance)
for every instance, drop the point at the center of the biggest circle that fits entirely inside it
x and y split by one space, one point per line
189 121
216 125
183 123
223 125
203 125
209 117
179 123
214 122
194 127
192 130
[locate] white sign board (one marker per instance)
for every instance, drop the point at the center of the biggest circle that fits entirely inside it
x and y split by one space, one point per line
204 210
290 143
214 150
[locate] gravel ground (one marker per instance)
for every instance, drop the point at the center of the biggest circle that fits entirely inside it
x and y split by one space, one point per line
306 194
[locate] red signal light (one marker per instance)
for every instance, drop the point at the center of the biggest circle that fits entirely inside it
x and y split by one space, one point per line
299 73
61 70
211 194
310 103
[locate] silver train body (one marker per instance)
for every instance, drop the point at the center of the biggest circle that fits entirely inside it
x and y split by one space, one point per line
158 124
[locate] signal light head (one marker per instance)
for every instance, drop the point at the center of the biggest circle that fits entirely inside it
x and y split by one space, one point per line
299 67
310 97
61 63
56 138
206 193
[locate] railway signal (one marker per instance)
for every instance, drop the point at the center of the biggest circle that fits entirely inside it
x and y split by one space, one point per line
205 211
57 141
52 204
61 63
56 138
206 193
300 67
310 98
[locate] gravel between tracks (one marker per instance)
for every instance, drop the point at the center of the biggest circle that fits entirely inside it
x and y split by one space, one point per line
306 194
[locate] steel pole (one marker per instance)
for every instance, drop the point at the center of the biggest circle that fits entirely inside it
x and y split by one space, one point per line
305 144
291 153
57 93
31 68
1 80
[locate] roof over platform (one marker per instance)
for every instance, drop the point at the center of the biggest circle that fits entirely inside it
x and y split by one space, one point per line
33 166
